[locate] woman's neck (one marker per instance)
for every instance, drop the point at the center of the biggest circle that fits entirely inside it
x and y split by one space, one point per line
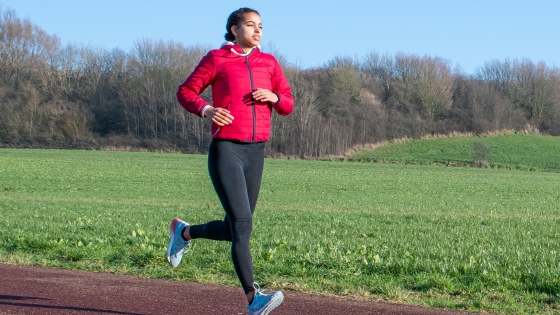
244 48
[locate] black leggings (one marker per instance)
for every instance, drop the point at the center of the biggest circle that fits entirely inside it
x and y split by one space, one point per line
236 172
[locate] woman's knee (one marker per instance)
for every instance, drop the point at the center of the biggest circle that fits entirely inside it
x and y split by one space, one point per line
242 228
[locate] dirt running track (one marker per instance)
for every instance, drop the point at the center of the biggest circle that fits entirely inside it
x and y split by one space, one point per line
33 290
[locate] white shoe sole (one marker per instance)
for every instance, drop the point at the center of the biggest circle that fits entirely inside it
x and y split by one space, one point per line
172 236
274 303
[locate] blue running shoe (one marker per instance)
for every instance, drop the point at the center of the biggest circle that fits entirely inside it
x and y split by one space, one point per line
177 244
264 303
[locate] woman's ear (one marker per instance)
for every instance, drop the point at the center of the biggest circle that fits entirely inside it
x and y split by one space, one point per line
234 30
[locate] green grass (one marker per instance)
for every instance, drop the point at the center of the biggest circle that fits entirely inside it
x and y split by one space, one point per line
512 151
463 238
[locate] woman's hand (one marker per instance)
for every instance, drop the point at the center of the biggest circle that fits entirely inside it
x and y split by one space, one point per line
219 116
264 95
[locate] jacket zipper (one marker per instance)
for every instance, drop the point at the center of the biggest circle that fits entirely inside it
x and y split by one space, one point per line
252 99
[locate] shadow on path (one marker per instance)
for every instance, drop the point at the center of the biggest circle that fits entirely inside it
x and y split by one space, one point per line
19 298
79 309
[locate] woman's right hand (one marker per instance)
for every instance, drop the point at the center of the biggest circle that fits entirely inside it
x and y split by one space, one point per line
219 116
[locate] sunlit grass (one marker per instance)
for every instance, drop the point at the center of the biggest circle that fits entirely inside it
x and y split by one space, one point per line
511 151
464 238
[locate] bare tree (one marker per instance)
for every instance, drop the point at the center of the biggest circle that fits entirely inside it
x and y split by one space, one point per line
382 67
427 82
532 87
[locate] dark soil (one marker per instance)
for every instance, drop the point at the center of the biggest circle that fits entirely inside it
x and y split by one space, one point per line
33 290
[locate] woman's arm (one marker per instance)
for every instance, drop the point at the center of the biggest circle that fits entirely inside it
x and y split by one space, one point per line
189 92
281 88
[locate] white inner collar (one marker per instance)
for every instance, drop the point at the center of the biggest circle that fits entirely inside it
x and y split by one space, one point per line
237 53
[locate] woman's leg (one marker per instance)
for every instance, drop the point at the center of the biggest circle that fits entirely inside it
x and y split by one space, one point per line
217 230
236 172
253 176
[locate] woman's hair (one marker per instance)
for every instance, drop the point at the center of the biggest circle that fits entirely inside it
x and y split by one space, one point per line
236 18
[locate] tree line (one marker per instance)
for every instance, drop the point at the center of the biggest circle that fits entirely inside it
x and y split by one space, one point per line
72 96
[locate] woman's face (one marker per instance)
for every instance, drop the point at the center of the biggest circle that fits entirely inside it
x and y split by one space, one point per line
249 33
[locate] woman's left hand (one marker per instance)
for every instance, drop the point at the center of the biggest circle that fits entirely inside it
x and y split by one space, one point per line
264 95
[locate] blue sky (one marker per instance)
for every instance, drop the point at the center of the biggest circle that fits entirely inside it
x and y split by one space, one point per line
309 33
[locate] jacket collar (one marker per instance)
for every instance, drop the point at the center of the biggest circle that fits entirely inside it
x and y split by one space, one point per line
234 47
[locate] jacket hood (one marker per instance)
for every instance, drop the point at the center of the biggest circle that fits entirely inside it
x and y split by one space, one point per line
234 47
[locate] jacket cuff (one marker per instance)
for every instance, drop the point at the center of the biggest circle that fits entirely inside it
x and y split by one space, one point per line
278 101
207 106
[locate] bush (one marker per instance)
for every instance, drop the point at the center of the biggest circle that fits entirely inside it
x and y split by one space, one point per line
480 154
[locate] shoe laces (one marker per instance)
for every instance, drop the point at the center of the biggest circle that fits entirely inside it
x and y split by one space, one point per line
259 291
186 247
183 245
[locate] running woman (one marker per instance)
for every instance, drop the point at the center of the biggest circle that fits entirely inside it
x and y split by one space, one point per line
247 85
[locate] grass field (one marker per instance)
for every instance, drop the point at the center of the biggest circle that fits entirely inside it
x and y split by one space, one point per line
510 151
463 238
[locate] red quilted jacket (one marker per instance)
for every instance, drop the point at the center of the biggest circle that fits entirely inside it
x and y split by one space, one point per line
233 76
